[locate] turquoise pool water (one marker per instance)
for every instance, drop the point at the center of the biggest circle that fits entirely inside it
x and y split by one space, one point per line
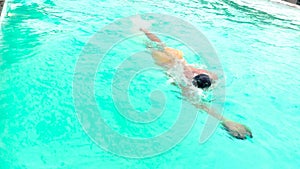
258 44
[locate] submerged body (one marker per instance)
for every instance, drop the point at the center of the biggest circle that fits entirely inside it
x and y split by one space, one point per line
190 79
169 58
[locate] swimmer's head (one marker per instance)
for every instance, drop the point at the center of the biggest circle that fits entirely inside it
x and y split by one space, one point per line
202 81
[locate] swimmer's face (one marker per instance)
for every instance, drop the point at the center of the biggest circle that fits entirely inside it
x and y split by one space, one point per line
202 81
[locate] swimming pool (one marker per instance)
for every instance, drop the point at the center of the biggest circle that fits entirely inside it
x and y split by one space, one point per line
258 46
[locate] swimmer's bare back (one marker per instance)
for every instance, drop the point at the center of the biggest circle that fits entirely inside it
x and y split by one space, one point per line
166 56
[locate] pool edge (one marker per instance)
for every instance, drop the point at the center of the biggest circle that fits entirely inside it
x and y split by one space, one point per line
3 11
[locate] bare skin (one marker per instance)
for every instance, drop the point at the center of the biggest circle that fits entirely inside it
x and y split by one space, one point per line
166 57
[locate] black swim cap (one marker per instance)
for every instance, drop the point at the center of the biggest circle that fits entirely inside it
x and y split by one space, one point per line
202 81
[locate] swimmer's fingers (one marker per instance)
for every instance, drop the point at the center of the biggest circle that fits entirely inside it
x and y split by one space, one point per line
237 130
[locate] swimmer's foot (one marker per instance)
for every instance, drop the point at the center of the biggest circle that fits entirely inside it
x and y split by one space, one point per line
237 130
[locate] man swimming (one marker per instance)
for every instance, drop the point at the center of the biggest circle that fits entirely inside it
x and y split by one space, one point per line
191 79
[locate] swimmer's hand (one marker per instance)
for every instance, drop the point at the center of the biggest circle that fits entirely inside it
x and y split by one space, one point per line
237 130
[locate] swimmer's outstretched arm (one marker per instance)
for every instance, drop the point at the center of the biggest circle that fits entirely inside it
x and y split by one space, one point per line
235 129
211 112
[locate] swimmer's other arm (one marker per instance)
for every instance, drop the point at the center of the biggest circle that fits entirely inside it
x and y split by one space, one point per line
235 129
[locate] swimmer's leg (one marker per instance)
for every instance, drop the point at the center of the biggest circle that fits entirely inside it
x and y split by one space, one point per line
154 38
151 36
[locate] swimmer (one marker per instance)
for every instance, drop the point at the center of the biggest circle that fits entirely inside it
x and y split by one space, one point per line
193 79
